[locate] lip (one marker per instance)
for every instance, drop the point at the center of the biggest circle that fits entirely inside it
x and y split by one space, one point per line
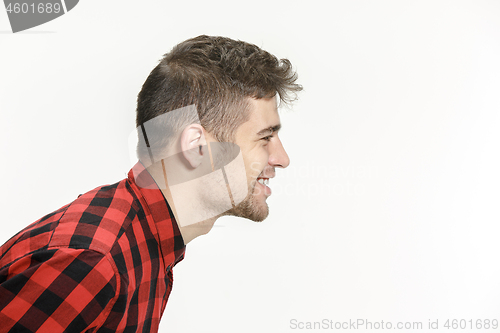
267 176
266 189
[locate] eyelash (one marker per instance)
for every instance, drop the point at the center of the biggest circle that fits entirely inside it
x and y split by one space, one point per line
267 138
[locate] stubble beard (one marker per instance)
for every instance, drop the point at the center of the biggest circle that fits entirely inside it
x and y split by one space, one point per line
250 209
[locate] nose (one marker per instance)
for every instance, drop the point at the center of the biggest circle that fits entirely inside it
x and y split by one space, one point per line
277 154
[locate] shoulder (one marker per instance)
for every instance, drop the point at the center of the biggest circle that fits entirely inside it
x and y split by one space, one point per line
97 218
95 221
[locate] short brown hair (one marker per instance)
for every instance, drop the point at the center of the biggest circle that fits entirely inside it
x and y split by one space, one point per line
217 75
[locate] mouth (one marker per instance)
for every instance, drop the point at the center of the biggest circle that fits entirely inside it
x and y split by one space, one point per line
263 185
263 181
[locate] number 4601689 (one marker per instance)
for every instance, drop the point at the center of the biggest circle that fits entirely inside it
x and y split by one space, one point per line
25 8
471 324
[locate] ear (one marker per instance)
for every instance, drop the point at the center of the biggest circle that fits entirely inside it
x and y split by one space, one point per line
193 143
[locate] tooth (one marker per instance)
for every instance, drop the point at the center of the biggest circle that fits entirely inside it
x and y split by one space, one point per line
266 182
260 180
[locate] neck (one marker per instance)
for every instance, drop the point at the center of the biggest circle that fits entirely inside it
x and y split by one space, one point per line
189 231
193 217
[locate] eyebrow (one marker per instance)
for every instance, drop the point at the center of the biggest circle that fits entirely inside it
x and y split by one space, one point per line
271 129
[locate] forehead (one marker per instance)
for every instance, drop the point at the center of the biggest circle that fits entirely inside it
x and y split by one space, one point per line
263 113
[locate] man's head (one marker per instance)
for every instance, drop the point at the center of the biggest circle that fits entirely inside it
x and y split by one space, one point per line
234 87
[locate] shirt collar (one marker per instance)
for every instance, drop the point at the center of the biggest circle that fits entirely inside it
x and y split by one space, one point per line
168 235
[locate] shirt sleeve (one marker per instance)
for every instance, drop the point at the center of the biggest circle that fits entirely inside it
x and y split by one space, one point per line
56 290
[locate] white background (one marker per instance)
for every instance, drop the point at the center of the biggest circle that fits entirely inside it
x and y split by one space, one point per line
390 207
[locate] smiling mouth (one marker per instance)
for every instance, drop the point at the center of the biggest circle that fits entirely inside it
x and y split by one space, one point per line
263 181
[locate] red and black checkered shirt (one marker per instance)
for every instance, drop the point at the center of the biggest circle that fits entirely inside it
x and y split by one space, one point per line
102 263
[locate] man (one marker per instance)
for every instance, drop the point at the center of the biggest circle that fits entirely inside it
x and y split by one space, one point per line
208 144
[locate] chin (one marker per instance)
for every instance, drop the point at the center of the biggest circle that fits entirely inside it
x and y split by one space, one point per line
251 209
258 216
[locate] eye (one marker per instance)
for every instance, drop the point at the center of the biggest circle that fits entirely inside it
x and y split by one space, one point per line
267 138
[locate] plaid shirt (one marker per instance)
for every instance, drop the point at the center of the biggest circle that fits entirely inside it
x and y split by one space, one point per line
102 263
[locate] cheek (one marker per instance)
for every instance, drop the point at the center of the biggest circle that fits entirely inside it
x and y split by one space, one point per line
255 161
256 166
